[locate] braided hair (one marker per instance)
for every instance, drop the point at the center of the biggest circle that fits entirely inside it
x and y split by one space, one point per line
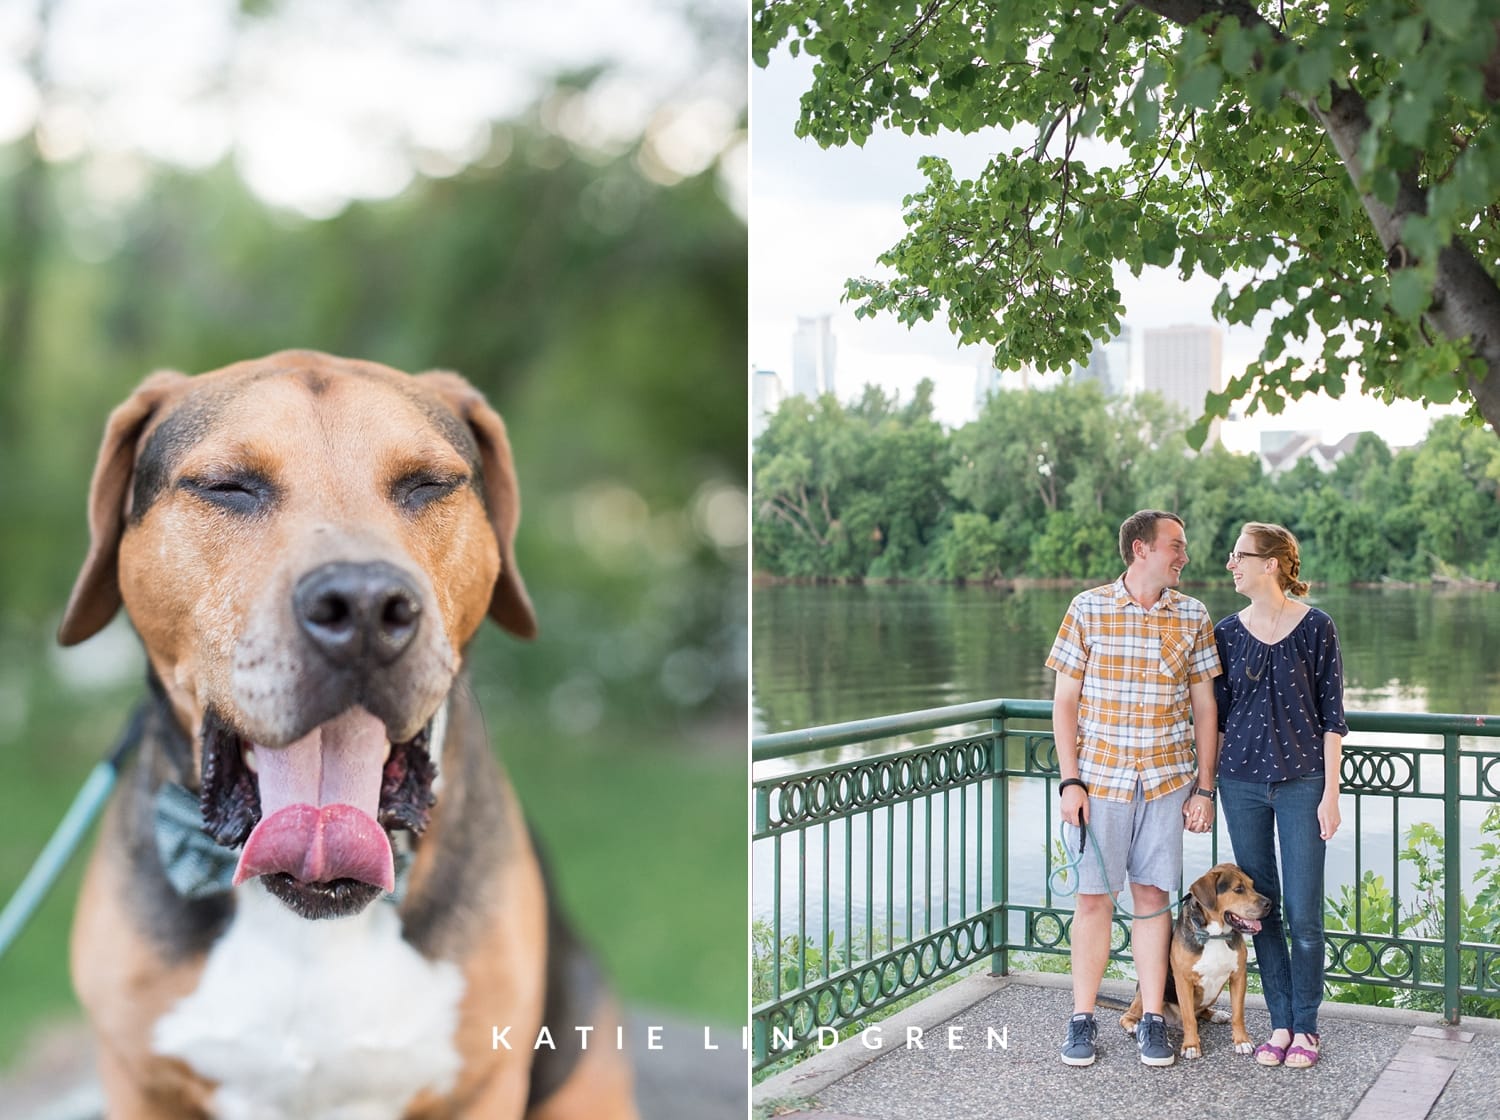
1277 541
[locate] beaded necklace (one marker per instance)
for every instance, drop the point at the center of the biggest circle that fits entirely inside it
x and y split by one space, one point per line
1266 660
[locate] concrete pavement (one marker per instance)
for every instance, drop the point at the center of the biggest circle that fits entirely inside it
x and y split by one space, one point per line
988 1048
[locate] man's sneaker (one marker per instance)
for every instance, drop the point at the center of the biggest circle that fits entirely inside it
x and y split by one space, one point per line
1079 1049
1151 1041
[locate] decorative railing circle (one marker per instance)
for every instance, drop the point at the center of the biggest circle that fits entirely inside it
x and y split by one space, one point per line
1488 972
1056 934
890 977
1489 777
1368 959
1385 771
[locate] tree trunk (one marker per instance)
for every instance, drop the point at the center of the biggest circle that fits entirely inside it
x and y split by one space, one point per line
1465 298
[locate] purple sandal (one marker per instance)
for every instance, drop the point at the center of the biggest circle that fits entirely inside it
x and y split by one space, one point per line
1306 1058
1268 1055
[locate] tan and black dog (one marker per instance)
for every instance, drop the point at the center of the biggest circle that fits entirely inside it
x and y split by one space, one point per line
1208 951
314 894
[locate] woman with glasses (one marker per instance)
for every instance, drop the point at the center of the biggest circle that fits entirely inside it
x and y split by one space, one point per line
1281 723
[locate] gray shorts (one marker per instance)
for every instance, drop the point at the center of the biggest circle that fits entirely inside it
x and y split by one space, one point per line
1138 836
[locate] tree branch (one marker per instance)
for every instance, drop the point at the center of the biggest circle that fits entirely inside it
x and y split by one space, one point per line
914 34
1466 299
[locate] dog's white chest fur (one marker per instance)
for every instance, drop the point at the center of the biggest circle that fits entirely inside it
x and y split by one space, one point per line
339 1019
1216 965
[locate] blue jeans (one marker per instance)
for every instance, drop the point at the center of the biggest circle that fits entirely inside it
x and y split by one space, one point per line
1257 813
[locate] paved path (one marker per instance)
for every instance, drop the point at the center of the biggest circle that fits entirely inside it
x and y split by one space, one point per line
989 1050
682 1080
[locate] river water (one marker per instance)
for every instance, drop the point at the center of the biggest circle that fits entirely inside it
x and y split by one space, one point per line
826 654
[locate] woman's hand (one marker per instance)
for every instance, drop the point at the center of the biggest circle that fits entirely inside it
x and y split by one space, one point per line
1328 815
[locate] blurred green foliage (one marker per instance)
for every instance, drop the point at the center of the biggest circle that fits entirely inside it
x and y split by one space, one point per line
603 312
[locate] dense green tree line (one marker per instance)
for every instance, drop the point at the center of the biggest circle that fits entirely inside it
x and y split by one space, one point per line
1038 485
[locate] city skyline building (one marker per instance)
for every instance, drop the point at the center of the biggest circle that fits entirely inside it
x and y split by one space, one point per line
1108 364
766 395
814 356
987 382
1182 365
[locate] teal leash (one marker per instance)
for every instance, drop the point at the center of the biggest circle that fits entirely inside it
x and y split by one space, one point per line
68 835
1057 886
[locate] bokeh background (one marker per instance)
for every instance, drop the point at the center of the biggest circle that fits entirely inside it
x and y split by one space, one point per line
548 199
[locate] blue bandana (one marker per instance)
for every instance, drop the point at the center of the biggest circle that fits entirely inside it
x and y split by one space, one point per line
197 865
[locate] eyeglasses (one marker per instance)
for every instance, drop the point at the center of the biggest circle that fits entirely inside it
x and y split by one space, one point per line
1236 557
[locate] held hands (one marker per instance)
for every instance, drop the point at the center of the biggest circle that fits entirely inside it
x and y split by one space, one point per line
1197 814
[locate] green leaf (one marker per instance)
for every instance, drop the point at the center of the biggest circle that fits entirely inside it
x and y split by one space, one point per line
1385 184
1147 116
1410 291
1406 35
1235 48
1200 89
1410 119
1455 19
1314 70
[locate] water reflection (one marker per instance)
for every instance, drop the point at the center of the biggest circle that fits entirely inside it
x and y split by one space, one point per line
830 653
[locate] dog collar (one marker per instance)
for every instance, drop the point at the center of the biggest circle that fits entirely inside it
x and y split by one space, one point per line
198 866
1202 937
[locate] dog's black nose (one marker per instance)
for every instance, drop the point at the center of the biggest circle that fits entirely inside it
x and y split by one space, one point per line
358 613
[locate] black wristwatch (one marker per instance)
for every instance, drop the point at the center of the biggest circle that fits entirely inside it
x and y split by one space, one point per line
1066 782
1211 794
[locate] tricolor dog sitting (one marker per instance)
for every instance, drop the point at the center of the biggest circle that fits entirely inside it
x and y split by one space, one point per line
315 894
1208 952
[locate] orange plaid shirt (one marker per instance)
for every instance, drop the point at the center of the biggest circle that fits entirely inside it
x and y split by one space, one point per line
1136 665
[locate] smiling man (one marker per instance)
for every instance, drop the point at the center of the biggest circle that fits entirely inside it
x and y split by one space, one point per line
1133 659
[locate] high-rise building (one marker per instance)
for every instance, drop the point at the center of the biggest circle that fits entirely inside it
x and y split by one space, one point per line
986 382
813 353
1117 356
1108 364
1183 365
766 395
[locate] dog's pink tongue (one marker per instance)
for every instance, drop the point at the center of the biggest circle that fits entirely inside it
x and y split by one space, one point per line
318 800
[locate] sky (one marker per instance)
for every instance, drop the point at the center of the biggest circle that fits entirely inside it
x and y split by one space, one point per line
333 100
819 217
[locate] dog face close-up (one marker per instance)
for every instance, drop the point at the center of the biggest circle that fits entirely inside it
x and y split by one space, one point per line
305 544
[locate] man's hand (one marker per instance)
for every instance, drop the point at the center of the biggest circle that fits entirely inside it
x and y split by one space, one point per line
1075 806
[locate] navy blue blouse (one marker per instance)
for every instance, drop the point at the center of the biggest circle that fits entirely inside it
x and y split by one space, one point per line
1277 702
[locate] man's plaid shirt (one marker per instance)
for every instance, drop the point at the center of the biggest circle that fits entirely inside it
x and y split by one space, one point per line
1136 666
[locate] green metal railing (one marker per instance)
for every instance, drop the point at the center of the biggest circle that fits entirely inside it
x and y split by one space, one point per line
879 873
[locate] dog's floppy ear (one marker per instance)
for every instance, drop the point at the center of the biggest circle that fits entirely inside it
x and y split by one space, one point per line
510 606
1205 892
96 593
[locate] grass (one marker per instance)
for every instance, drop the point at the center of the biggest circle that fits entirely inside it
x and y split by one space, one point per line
646 842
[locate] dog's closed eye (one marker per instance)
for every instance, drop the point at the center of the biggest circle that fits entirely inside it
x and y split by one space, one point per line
245 493
420 489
